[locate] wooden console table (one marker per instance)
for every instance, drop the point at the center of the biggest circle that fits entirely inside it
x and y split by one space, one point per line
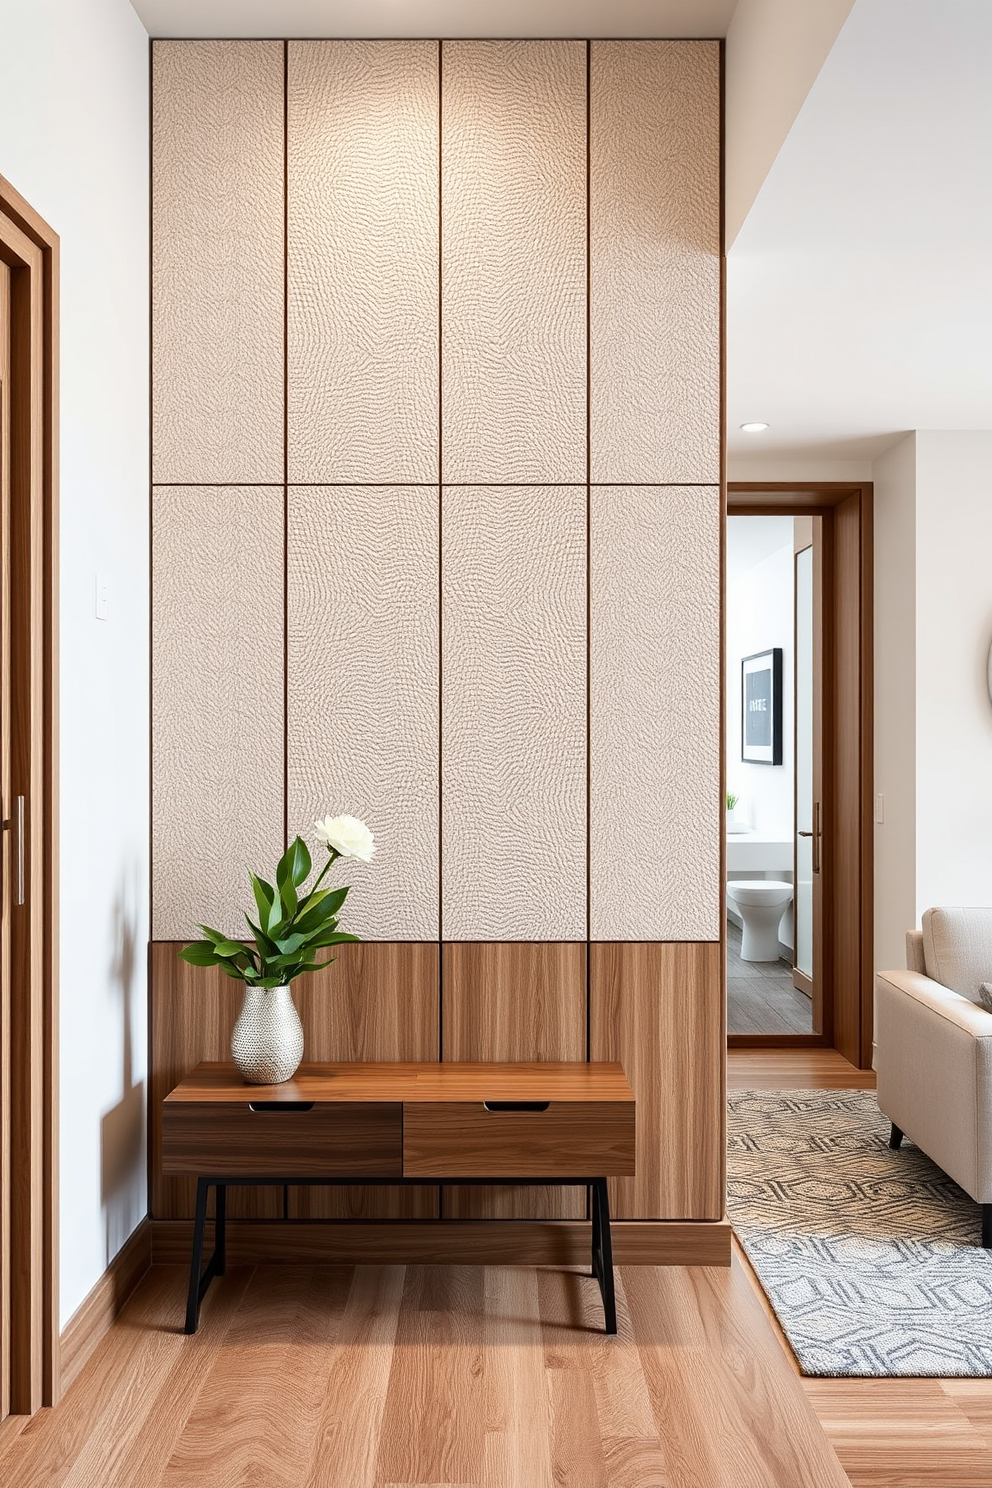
401 1123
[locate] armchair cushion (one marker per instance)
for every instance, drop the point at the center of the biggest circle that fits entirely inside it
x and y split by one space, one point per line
957 948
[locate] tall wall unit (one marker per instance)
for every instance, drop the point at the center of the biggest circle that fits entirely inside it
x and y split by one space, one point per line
437 540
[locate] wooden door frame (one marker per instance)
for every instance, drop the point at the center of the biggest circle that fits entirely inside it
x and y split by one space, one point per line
849 749
31 248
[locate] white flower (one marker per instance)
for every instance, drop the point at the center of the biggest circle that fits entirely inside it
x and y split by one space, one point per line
348 836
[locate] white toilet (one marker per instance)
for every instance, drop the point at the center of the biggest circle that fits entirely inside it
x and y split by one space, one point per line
761 903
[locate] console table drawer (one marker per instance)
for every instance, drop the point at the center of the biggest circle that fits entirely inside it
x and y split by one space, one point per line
283 1138
470 1139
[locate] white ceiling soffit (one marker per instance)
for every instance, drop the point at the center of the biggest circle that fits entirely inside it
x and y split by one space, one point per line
775 48
496 18
859 301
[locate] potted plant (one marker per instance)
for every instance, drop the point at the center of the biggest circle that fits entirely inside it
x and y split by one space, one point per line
291 930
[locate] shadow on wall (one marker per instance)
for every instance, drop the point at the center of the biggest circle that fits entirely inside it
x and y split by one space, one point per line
122 1128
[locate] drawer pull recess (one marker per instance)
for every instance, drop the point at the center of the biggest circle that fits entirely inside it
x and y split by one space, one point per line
516 1105
273 1106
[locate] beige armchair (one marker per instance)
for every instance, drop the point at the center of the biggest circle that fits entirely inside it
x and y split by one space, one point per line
934 1049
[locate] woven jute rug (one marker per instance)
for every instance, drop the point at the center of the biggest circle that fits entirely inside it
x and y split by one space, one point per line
872 1259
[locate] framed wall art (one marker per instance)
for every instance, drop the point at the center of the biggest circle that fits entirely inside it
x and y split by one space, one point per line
761 706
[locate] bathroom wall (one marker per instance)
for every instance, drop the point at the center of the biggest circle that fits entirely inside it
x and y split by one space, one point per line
760 614
437 528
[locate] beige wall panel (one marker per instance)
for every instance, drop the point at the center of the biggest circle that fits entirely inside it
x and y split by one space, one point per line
363 691
655 261
514 260
374 1002
658 1009
217 702
363 261
514 713
655 811
217 261
517 1002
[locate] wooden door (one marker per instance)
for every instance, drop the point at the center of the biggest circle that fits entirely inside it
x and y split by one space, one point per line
4 881
808 859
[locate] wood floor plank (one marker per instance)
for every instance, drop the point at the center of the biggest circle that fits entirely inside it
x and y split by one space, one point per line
346 1447
432 1427
517 1395
257 1413
794 1069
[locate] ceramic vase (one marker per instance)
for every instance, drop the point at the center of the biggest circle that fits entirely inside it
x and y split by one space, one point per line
267 1041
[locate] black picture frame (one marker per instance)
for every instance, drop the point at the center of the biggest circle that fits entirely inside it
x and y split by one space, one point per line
761 707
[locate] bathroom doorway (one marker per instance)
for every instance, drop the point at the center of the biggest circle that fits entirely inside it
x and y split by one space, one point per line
798 767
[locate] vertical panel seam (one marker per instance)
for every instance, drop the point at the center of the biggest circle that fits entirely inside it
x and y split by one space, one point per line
285 442
588 545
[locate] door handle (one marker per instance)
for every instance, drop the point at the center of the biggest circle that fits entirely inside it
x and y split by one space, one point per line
17 822
804 834
815 834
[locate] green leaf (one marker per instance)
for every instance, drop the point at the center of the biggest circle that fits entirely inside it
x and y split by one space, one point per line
230 948
338 937
212 935
265 943
265 896
201 953
269 982
291 943
286 884
320 907
233 971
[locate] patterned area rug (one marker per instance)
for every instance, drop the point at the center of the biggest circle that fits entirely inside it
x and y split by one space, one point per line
872 1259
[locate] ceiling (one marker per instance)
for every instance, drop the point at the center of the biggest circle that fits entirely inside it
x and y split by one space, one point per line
435 17
859 290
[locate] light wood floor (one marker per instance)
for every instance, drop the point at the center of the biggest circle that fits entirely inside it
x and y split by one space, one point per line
374 1376
760 994
887 1433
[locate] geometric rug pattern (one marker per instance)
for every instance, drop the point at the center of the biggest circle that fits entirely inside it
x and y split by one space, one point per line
871 1259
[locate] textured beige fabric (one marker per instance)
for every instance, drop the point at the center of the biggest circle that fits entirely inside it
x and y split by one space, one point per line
934 1067
915 959
957 946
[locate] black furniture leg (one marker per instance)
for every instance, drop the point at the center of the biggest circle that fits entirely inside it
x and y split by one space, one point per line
220 1230
215 1266
987 1226
602 1255
594 1210
895 1140
193 1298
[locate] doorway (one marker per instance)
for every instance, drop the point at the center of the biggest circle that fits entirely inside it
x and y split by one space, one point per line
799 798
29 1362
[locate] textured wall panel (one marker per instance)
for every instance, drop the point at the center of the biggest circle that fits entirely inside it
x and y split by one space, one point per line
217 261
655 261
517 1002
363 261
217 702
514 260
514 713
656 813
363 690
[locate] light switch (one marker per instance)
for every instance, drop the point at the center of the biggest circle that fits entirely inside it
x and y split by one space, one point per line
880 808
101 596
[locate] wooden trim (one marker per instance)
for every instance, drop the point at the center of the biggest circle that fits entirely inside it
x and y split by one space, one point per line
96 1313
447 1242
849 952
36 1381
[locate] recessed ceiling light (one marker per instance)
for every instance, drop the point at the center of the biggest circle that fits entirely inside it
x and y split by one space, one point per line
754 428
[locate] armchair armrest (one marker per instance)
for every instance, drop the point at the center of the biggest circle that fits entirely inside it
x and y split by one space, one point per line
935 1074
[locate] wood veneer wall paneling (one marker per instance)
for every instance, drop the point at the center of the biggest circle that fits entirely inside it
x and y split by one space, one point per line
217 701
517 1001
655 812
217 261
658 1009
378 1001
655 261
362 261
513 164
513 713
362 654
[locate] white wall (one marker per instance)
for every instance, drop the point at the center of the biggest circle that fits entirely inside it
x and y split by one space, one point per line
953 634
760 614
895 700
74 142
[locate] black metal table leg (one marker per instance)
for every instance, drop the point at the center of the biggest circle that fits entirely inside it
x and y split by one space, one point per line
220 1230
193 1297
602 1254
594 1210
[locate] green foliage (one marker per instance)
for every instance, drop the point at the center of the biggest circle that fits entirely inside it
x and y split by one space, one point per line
290 930
731 800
